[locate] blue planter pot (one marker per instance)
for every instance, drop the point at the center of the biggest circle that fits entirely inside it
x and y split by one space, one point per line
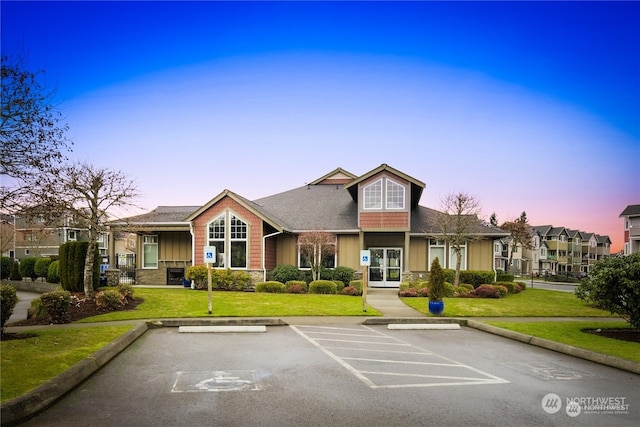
436 307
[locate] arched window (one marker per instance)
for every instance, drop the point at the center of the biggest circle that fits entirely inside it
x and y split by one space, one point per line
395 195
373 195
229 231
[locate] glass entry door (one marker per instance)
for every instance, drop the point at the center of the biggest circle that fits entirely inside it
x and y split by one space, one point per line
385 270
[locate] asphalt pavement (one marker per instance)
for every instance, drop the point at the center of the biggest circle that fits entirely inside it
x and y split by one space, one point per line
139 357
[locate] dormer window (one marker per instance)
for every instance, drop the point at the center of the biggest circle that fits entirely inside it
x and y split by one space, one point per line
393 195
373 195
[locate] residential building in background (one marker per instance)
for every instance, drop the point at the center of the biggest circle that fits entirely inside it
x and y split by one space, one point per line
631 216
42 236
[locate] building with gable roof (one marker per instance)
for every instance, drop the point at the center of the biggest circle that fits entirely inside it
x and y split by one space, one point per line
631 215
378 211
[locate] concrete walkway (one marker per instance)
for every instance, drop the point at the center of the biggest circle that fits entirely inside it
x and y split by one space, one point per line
387 302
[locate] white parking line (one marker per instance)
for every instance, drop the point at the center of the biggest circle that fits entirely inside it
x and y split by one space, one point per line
404 366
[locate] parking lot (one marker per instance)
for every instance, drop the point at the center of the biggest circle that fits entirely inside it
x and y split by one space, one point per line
343 375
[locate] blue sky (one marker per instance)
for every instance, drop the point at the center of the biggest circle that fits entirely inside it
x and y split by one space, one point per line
528 106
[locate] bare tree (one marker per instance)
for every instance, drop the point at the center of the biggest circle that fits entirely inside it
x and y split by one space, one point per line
457 222
315 247
520 235
87 193
32 134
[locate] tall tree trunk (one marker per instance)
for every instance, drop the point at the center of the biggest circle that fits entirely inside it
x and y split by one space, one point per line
88 267
456 279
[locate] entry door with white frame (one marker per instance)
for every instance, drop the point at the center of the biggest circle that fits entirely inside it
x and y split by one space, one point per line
385 270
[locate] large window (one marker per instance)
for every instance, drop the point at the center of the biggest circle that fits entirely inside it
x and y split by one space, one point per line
229 231
463 258
391 192
395 195
373 195
436 249
150 251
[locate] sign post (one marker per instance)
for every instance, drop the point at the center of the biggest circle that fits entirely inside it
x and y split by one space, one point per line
365 262
209 258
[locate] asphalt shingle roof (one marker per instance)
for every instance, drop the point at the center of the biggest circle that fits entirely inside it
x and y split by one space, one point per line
631 210
312 207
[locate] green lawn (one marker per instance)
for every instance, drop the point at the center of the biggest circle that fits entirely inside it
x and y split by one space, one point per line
27 363
172 303
530 303
571 333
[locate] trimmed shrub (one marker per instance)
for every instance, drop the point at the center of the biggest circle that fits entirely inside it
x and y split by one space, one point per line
322 287
53 273
199 275
27 267
512 287
110 299
343 274
410 292
41 267
8 301
271 286
351 291
523 285
298 283
56 305
295 289
503 291
462 290
126 292
339 285
423 292
504 277
472 277
448 290
436 281
486 291
15 271
5 267
36 310
285 273
356 284
405 286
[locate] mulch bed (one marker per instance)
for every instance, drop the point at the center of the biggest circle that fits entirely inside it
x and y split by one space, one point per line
80 308
632 335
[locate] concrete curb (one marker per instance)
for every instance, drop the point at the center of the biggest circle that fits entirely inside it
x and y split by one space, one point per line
603 359
23 407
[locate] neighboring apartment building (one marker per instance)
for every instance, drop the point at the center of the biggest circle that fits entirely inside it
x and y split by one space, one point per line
42 236
378 211
631 216
554 250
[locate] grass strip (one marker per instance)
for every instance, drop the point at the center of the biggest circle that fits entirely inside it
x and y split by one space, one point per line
29 362
530 303
185 303
570 333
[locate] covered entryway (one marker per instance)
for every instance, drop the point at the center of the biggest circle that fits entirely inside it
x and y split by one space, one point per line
385 270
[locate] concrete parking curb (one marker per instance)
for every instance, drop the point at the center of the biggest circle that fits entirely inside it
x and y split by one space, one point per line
23 407
603 359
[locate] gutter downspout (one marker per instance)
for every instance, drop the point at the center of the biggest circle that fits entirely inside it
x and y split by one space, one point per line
264 245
